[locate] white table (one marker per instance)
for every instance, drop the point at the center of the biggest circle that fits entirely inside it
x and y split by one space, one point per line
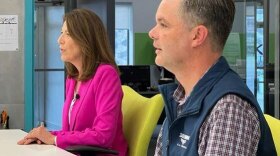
9 147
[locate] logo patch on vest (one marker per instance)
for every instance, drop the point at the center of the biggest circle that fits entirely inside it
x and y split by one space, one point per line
183 139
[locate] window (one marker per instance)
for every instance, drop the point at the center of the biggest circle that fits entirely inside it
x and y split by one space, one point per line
123 34
49 69
122 46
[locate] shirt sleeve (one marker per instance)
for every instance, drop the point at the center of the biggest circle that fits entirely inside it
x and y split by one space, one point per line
232 128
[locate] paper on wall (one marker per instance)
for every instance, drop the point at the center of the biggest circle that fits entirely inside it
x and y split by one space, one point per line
9 33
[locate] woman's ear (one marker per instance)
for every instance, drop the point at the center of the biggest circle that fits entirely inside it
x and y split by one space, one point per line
199 35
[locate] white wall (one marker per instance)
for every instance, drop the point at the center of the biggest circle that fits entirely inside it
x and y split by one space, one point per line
143 14
12 69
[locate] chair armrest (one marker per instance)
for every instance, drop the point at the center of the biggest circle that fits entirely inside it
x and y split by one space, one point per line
90 149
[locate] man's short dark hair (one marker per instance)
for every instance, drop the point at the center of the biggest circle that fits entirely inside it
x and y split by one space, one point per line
216 15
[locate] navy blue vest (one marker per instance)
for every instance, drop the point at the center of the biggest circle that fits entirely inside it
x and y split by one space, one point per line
181 134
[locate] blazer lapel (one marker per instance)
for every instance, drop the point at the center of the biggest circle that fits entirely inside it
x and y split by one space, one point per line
68 100
79 102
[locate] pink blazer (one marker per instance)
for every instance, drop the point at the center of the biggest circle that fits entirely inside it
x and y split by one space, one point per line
96 117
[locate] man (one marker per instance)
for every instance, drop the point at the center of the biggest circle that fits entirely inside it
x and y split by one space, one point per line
210 111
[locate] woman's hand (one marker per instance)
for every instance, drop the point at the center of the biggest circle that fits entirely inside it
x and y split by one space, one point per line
38 135
26 141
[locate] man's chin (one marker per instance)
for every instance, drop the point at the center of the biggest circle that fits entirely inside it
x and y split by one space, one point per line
158 62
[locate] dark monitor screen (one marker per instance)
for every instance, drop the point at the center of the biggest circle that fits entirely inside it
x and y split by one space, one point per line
168 74
135 76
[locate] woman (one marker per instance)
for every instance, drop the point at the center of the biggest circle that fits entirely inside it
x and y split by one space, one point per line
92 109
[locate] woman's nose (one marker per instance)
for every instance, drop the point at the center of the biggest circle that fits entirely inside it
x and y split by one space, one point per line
59 40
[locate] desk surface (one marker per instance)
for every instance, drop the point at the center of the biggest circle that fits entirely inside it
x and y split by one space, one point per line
9 147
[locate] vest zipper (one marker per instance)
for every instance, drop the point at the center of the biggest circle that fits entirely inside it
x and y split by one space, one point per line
179 117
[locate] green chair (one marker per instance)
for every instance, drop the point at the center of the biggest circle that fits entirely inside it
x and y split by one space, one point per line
274 125
140 117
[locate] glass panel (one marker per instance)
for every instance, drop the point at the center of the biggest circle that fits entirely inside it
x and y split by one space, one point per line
260 87
253 50
244 49
49 69
260 61
121 46
54 99
123 33
250 46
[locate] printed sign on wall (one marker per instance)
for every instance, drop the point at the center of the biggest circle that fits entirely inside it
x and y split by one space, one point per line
8 32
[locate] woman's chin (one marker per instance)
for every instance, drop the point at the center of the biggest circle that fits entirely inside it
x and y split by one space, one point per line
63 58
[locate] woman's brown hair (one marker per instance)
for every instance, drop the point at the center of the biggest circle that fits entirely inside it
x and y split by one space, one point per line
88 31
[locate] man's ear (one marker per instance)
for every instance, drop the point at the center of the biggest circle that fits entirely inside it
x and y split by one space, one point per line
199 35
